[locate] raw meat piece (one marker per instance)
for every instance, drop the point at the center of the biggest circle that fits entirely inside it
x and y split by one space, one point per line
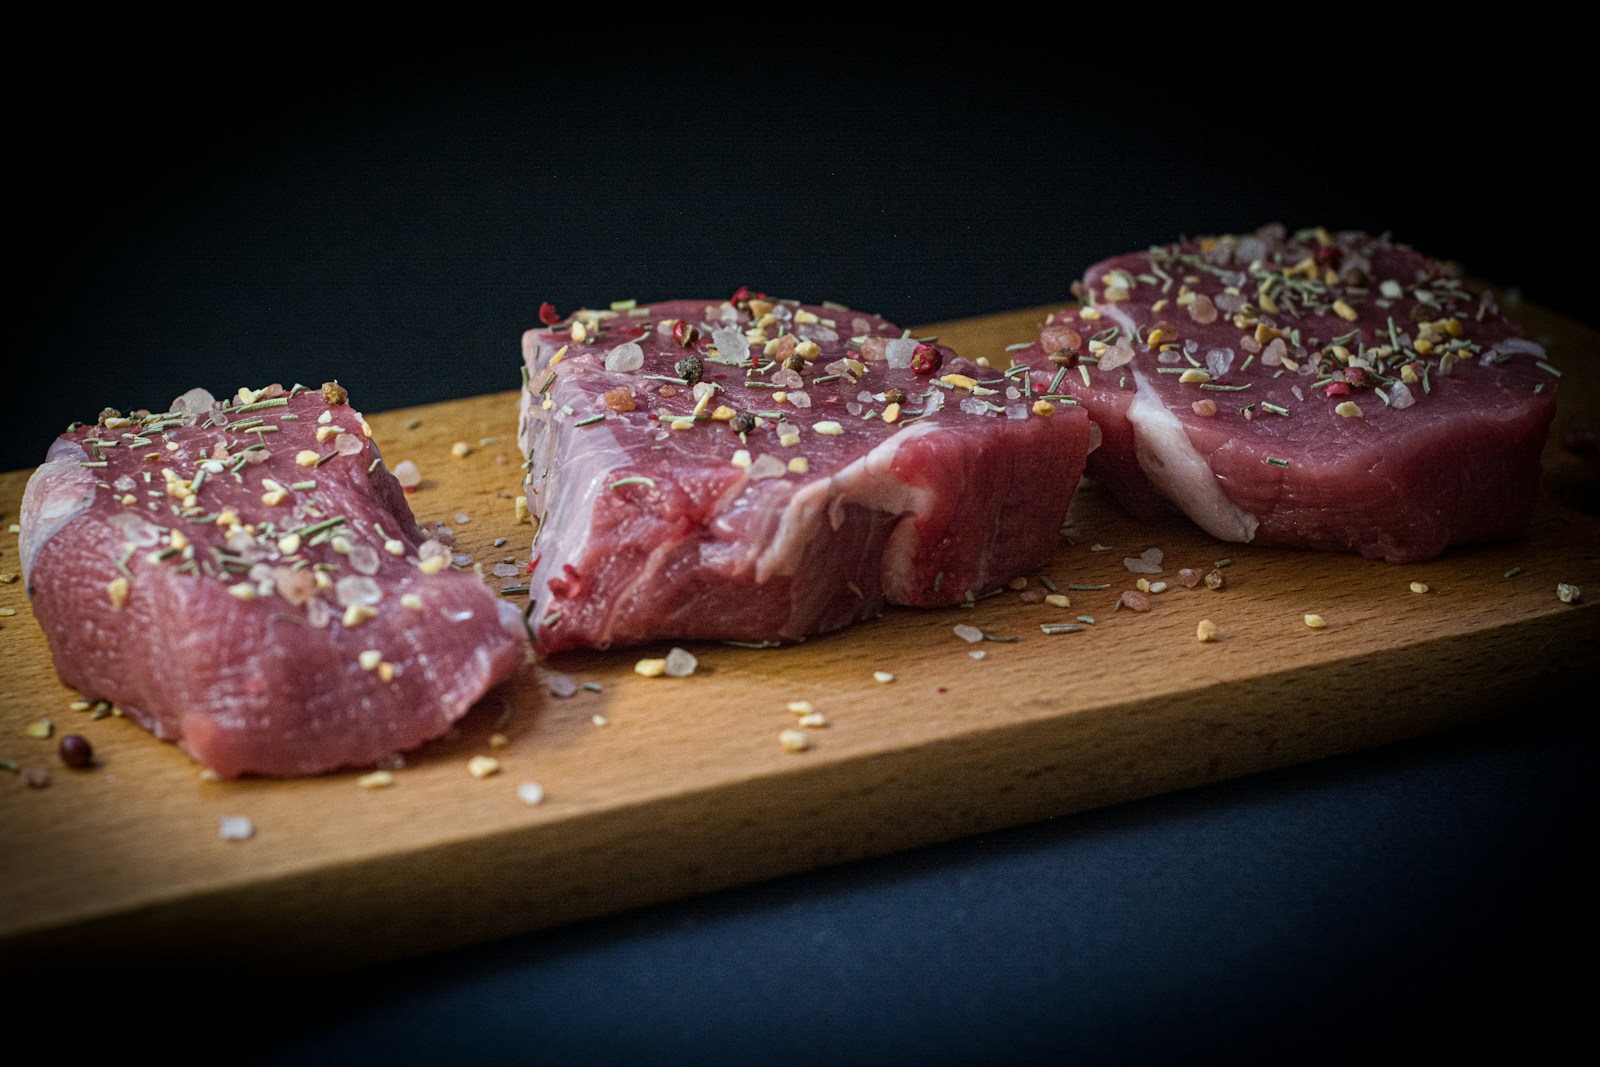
246 579
834 499
1364 398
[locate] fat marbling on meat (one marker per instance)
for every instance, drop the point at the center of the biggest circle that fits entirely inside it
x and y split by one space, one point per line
762 470
1314 390
245 579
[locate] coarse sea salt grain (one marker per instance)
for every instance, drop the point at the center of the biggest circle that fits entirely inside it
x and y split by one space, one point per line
1148 562
406 473
624 358
897 353
236 828
681 663
969 634
731 343
530 793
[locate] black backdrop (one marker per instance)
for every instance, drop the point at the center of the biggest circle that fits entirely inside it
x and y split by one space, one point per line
392 215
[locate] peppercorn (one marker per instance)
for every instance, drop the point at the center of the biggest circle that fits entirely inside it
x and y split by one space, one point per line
794 361
895 396
684 333
743 422
690 369
1062 358
334 393
926 359
76 752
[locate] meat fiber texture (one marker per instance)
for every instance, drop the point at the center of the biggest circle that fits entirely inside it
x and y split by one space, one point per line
1309 391
786 492
246 579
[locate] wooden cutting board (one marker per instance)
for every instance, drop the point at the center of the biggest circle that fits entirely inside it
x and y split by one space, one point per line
658 788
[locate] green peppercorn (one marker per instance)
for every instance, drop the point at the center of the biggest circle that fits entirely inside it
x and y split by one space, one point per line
690 369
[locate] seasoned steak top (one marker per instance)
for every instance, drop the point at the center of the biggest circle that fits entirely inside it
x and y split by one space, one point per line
1314 339
777 387
274 493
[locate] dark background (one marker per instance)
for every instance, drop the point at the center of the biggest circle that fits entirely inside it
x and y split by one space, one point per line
392 214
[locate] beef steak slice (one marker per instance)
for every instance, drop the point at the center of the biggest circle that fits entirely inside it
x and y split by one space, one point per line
1310 391
246 579
761 470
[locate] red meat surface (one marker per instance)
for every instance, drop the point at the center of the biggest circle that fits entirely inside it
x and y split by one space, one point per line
245 579
656 523
1364 398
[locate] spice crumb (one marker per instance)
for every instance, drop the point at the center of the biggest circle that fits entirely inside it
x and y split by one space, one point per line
483 766
41 729
814 721
1206 631
1419 587
882 677
651 668
376 780
600 720
461 450
530 793
794 740
498 740
1316 622
801 707
1568 593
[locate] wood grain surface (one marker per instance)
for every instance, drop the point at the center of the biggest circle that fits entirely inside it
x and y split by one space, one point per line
658 788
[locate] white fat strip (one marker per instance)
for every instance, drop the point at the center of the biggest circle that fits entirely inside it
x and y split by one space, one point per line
1122 319
868 482
57 492
578 481
1170 461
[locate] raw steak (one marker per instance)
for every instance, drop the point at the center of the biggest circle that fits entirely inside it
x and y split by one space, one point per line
246 579
1314 391
805 493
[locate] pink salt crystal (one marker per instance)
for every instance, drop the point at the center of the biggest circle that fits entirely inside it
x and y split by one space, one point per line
1134 600
1202 310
